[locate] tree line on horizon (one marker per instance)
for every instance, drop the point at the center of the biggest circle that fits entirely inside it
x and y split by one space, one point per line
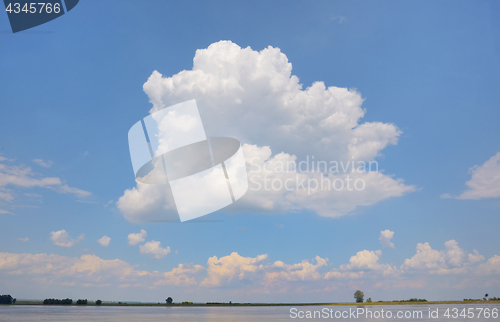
68 301
358 296
7 299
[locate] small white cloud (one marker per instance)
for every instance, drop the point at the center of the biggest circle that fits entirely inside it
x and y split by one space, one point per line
62 239
222 271
75 191
104 241
134 239
154 250
25 239
446 196
108 203
339 19
5 212
366 259
451 260
425 258
485 180
304 271
45 164
385 238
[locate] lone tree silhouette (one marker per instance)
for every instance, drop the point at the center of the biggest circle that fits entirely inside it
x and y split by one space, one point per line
169 300
359 296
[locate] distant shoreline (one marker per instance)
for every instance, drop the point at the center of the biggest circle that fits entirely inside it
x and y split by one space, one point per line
21 302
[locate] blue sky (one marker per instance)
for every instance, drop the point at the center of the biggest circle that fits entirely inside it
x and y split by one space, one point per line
72 88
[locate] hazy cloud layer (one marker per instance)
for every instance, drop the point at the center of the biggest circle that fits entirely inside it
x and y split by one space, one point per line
258 275
15 177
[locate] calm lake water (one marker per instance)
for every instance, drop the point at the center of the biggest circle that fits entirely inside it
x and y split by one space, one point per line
261 314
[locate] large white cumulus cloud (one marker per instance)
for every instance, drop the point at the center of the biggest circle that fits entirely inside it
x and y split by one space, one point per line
254 97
